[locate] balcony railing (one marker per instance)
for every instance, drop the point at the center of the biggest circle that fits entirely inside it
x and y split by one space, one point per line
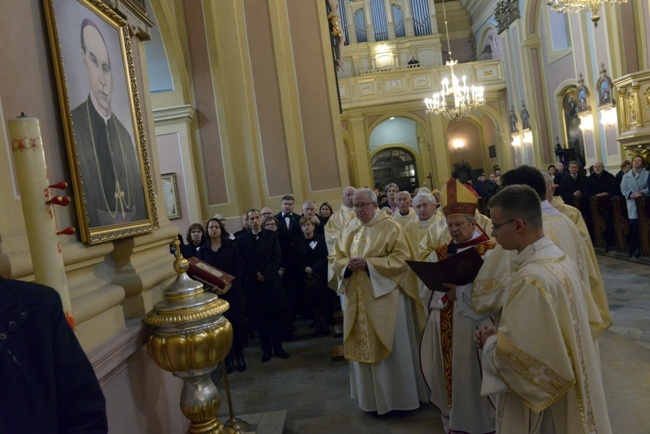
403 84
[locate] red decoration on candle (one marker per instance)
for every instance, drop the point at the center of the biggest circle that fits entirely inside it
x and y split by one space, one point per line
67 231
59 200
60 185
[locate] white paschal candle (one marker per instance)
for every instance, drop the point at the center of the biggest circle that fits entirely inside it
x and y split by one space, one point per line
33 184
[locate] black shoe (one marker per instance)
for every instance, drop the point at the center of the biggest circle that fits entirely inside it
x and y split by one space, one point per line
326 331
637 254
281 354
317 332
229 366
266 357
241 363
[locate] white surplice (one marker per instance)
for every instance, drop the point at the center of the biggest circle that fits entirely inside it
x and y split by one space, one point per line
542 364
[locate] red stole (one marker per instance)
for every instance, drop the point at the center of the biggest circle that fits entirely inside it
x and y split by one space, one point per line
481 244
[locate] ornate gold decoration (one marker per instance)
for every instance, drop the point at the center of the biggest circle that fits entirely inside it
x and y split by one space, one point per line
190 336
633 98
506 12
631 107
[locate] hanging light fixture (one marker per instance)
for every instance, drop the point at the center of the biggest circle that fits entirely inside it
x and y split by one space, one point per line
581 5
466 98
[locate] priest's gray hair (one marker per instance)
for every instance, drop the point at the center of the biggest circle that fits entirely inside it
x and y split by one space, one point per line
426 197
368 193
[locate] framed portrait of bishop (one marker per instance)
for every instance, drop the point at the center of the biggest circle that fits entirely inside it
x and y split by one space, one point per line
100 106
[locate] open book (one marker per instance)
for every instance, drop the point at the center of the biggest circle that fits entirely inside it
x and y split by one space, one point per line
459 269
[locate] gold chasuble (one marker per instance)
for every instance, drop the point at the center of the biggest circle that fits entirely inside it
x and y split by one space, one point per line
404 220
543 364
335 225
595 279
371 297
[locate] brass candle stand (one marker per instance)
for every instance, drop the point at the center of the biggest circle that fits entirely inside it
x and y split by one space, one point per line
190 336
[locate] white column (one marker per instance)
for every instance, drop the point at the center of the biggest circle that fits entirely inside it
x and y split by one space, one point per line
432 17
390 20
408 19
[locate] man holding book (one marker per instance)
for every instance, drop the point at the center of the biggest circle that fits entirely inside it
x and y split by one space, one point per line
448 355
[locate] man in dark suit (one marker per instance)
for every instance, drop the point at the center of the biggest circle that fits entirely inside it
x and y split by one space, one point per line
267 305
572 186
289 229
603 184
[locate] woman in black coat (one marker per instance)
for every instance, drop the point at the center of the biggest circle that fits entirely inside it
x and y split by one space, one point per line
221 252
312 251
195 238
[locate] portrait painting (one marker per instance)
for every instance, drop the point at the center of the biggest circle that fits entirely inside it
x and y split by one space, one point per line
605 88
105 139
170 191
583 97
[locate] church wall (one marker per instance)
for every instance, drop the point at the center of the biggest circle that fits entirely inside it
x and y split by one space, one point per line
472 151
143 398
171 161
268 99
207 120
317 122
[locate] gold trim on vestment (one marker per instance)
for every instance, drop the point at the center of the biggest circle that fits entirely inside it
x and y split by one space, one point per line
533 370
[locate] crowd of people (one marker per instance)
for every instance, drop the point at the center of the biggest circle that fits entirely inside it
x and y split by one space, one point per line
475 350
279 262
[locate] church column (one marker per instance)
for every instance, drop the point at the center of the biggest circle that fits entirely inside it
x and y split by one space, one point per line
441 166
359 152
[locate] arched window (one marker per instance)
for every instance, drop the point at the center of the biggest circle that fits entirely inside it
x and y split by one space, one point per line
394 165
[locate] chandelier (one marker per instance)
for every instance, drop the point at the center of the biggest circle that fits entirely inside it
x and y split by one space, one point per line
581 5
466 98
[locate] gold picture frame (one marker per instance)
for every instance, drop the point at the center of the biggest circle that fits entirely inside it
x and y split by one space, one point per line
102 121
170 191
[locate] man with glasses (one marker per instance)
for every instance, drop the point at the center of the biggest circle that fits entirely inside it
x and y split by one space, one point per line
379 335
541 362
490 283
448 354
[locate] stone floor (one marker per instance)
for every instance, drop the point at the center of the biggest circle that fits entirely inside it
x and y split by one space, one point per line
314 391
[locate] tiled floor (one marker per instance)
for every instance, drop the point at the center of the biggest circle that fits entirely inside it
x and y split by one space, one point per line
315 391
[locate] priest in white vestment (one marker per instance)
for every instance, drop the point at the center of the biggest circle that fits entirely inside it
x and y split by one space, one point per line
335 225
424 205
404 213
380 334
595 279
541 361
448 355
489 286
